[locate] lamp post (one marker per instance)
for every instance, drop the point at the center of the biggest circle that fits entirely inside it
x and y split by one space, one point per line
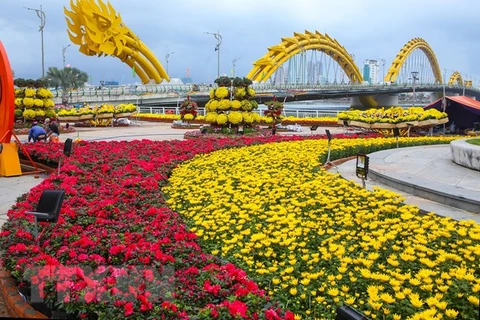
217 48
383 70
233 65
444 100
414 78
63 54
464 85
166 58
43 19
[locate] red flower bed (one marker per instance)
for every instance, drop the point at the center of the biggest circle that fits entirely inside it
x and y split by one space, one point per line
117 251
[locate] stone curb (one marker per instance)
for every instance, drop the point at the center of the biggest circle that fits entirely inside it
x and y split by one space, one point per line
16 306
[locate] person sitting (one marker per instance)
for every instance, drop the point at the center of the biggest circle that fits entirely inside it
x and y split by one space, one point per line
52 130
37 133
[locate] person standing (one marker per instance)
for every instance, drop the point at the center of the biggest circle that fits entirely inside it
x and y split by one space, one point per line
37 133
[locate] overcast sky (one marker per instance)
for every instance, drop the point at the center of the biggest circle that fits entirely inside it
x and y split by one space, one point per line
369 29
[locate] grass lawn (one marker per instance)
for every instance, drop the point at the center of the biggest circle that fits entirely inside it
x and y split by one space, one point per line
474 141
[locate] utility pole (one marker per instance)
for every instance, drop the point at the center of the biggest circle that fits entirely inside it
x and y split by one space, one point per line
383 70
43 19
217 48
166 58
63 54
414 77
233 64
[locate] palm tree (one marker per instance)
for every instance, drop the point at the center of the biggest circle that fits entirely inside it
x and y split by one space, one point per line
67 79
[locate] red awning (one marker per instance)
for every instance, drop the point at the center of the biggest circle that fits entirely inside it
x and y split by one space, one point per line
466 101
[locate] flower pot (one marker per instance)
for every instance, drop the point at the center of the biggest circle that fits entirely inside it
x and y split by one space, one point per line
428 123
406 124
378 125
104 115
86 117
122 115
69 118
359 124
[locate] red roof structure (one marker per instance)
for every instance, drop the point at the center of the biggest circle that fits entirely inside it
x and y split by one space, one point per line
462 111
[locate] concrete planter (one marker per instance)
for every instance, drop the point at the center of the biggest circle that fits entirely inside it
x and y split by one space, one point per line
465 154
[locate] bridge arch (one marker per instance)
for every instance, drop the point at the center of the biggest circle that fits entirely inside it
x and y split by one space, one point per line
264 67
455 77
416 43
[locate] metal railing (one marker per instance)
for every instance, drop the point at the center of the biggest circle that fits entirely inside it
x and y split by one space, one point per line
287 112
131 94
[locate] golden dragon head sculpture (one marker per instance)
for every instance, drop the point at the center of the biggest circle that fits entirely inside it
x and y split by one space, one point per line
98 30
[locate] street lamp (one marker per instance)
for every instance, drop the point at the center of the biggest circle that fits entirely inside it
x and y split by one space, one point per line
63 54
166 58
43 19
444 100
233 64
383 70
217 48
414 77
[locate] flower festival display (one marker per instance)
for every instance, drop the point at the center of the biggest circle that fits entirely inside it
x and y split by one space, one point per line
117 251
274 110
97 115
124 110
394 117
33 101
244 233
188 110
315 241
231 104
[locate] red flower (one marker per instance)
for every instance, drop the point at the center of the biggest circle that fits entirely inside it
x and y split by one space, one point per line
237 308
207 286
272 315
89 297
128 307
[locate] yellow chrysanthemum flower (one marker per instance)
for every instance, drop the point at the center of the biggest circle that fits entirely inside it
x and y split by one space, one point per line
221 93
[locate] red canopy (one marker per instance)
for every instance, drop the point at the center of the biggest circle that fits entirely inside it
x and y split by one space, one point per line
462 111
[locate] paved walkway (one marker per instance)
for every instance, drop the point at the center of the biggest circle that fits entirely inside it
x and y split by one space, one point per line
397 161
417 169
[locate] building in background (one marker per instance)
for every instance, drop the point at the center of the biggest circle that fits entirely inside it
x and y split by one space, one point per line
370 71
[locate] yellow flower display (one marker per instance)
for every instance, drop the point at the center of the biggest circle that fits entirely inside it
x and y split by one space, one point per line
235 117
38 103
212 105
240 92
392 115
18 102
28 102
43 93
221 93
47 103
39 100
236 105
188 117
211 117
29 114
29 92
39 113
224 104
248 117
313 239
222 119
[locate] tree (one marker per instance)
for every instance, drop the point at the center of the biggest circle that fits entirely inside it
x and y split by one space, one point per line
66 79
